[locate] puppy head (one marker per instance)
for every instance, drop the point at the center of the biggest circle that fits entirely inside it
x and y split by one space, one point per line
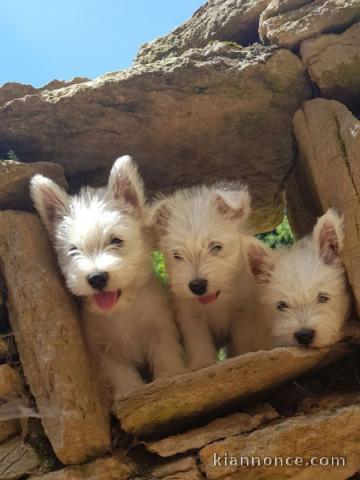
98 235
199 231
303 288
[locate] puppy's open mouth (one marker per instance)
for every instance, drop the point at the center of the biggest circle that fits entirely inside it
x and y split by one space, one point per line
106 300
205 299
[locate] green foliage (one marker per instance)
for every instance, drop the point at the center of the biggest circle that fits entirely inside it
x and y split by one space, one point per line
159 266
281 235
11 155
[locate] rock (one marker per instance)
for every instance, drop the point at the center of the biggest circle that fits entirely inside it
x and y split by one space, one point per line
328 173
17 459
48 336
14 182
224 20
11 90
211 113
333 63
181 469
288 22
215 430
177 400
4 346
111 468
329 434
8 429
320 403
10 383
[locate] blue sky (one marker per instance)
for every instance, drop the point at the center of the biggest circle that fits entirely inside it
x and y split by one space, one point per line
42 40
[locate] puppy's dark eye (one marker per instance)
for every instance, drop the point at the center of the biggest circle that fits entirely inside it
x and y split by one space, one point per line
323 297
282 306
73 250
116 241
177 256
215 248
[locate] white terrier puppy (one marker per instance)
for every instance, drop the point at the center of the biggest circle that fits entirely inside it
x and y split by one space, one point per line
105 254
200 234
303 288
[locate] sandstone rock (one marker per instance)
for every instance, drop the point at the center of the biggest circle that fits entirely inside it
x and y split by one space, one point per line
4 346
14 182
176 400
17 459
11 90
224 20
49 341
329 434
328 172
211 113
181 469
215 430
8 429
288 22
320 403
10 383
111 468
333 62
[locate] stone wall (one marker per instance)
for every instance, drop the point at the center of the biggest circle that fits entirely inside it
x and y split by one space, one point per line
262 91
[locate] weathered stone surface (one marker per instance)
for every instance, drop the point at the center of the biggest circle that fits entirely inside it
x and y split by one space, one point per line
9 428
328 173
319 403
181 469
10 383
49 341
11 90
178 399
330 434
111 468
333 62
14 182
17 459
211 113
224 20
288 22
215 430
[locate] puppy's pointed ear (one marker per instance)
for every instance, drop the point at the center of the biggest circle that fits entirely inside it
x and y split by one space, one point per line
260 259
159 213
234 204
328 235
51 201
126 185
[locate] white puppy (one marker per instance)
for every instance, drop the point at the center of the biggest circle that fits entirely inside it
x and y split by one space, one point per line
200 234
303 288
105 254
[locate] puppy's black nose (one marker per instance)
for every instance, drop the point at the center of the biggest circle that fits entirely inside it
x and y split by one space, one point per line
305 336
98 280
198 286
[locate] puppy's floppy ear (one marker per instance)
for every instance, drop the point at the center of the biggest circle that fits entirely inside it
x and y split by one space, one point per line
234 204
51 201
126 185
328 235
159 213
260 259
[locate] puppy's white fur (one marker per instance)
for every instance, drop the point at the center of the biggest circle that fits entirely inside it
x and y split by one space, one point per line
304 286
139 328
200 234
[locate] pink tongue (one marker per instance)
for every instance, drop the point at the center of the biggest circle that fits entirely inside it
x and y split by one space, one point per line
204 299
105 300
